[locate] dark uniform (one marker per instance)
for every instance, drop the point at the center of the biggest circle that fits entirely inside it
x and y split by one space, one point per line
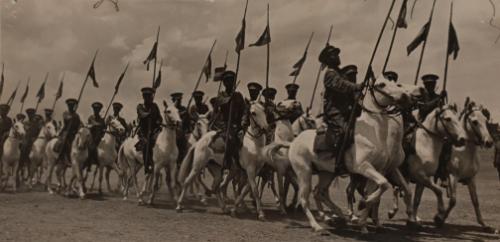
199 108
297 110
32 126
5 125
254 91
20 117
71 124
149 118
270 110
117 107
97 129
184 129
227 98
338 101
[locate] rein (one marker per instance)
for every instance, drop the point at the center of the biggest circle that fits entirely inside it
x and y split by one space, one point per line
466 120
260 131
438 119
384 111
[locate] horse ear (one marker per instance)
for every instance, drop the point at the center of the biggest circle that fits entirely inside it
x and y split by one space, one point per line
165 104
467 101
486 113
14 120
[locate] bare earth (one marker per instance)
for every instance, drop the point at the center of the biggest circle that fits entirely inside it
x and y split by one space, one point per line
37 216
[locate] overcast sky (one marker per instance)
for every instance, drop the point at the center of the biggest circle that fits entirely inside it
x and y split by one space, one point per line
61 36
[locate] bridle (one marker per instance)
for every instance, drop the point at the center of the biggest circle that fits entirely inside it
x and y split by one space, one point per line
43 133
438 120
260 131
78 137
15 134
112 130
467 122
372 89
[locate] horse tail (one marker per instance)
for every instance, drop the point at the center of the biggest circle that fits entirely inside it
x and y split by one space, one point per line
273 149
186 165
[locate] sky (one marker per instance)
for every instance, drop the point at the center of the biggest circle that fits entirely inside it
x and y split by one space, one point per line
59 37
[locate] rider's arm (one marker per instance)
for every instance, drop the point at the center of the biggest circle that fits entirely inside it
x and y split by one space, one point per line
335 81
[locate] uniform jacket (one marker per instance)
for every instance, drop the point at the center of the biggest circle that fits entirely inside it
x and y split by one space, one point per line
430 102
339 94
144 114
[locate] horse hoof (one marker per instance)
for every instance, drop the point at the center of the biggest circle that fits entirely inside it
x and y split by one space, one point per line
320 231
391 214
233 213
125 198
438 221
141 202
283 212
262 217
204 201
178 209
354 219
364 230
490 230
412 225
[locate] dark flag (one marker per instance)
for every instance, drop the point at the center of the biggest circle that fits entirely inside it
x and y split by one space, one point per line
401 23
151 56
23 97
12 96
453 46
91 74
41 92
59 90
264 39
120 79
421 37
240 38
157 82
371 74
207 69
2 80
218 73
298 66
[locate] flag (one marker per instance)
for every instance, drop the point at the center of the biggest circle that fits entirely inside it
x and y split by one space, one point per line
91 74
59 90
41 92
2 80
401 23
120 79
218 73
240 38
264 39
453 46
421 37
157 82
151 56
12 96
23 97
207 69
370 73
298 66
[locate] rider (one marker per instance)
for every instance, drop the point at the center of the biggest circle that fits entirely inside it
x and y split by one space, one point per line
297 110
117 107
97 129
199 107
230 105
5 125
338 98
254 89
270 109
32 125
150 120
71 124
185 128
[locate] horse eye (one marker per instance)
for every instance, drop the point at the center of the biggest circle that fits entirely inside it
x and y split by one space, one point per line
475 122
253 113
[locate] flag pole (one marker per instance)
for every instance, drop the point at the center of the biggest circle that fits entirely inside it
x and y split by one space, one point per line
305 52
116 92
268 49
55 99
13 95
319 74
156 57
39 99
1 90
23 101
85 82
403 6
424 44
225 66
201 73
445 80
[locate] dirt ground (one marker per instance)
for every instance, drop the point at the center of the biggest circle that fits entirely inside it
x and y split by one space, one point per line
37 216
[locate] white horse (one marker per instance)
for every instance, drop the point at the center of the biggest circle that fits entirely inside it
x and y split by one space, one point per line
79 155
37 153
11 154
367 157
106 151
209 152
465 161
165 154
304 122
130 161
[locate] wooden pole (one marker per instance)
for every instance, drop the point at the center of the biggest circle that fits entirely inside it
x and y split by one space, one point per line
445 80
115 93
23 101
201 74
305 53
319 73
268 50
57 98
394 35
39 100
85 82
424 44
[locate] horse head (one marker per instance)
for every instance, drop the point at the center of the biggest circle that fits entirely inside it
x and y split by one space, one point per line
258 116
171 114
201 126
475 120
304 122
83 138
17 131
447 123
49 130
115 126
386 93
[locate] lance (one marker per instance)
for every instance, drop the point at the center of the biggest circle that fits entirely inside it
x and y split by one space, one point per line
321 67
117 87
424 44
150 122
368 76
58 95
24 97
85 82
268 45
39 98
13 95
305 53
225 66
156 57
2 80
201 73
445 80
394 35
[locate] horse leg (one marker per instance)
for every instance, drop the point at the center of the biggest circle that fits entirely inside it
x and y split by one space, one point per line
48 180
251 175
440 216
351 198
404 187
475 202
94 176
154 183
452 187
192 175
325 181
282 197
107 174
101 170
79 179
304 177
216 172
17 177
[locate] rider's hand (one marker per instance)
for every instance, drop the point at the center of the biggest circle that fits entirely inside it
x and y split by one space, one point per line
444 94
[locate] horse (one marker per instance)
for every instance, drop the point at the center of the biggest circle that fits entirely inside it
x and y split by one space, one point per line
37 153
304 122
106 151
367 157
209 152
440 125
11 154
465 161
79 155
129 162
165 154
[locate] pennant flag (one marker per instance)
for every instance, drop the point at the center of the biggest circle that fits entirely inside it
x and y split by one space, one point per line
151 56
207 69
264 39
157 82
2 80
91 74
298 66
120 79
218 73
41 92
371 74
12 96
23 97
401 23
240 38
453 46
59 90
421 37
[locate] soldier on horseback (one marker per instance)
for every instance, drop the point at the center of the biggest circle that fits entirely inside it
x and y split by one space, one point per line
32 126
150 120
199 108
254 89
338 101
71 124
5 125
270 109
184 129
296 110
117 107
97 128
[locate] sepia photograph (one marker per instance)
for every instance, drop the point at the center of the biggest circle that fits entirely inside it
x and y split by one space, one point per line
250 120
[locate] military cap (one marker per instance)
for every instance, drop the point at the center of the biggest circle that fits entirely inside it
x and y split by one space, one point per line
48 111
349 68
325 53
20 116
97 105
213 101
176 95
117 105
292 87
229 76
269 92
30 111
198 94
254 86
147 90
4 108
391 76
71 101
429 78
